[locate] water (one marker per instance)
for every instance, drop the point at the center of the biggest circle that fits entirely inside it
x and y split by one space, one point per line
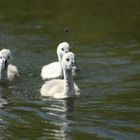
106 39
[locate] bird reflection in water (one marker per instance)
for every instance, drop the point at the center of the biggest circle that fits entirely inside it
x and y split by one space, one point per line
3 100
60 115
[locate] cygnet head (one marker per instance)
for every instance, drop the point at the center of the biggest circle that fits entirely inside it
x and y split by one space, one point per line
6 54
62 49
69 61
5 57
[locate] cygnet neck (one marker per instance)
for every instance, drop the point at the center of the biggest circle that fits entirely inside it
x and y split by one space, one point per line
60 61
3 74
68 83
59 58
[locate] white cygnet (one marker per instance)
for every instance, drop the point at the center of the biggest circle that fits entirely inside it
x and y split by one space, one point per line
8 72
62 88
54 69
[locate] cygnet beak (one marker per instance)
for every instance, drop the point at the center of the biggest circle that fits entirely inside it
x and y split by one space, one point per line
66 51
5 64
74 67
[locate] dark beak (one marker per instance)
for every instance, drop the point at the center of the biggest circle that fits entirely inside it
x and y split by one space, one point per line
6 64
74 66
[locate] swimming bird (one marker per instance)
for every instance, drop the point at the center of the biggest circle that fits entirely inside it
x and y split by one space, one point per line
62 88
8 72
54 69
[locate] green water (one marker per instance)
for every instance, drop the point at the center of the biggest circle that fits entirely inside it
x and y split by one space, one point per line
106 39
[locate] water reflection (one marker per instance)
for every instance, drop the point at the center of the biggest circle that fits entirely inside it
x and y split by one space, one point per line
2 128
3 100
3 103
60 114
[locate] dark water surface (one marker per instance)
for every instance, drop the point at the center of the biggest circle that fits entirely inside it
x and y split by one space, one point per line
105 35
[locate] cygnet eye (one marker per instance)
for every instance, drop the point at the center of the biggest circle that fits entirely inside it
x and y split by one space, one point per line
67 59
8 57
62 49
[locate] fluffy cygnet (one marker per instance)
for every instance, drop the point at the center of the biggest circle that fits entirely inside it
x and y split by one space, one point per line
54 69
62 88
8 72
